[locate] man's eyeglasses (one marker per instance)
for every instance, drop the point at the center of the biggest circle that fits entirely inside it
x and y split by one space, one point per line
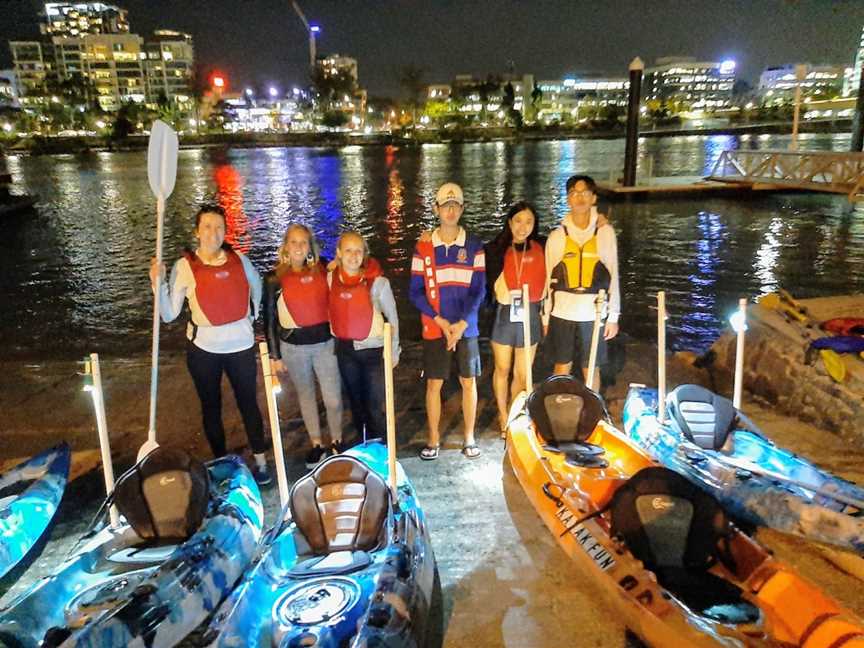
582 194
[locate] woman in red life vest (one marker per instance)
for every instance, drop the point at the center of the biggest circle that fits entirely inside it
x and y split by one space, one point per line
298 335
360 301
223 290
513 259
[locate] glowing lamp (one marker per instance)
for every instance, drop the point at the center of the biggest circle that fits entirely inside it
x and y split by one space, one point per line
738 321
315 29
218 82
727 67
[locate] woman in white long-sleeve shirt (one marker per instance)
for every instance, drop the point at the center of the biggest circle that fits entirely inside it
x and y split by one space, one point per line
223 290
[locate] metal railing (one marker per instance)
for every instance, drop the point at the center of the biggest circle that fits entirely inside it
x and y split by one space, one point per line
814 170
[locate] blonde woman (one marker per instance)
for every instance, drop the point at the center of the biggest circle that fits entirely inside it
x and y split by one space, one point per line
298 335
360 301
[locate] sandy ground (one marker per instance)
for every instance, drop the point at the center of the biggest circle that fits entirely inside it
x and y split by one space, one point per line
505 581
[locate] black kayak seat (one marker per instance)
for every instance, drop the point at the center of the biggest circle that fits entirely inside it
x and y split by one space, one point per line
675 529
341 509
701 416
165 496
566 412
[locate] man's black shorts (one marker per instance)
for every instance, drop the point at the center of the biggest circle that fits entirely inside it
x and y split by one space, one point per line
437 360
571 342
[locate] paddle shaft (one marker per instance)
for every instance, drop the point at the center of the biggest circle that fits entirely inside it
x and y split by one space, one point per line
390 408
595 337
746 465
102 428
154 355
661 357
275 429
526 338
739 356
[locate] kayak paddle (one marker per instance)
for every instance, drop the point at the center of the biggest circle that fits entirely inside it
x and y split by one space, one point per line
161 174
595 339
390 410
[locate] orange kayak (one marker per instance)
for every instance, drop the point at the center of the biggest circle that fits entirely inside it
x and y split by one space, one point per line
624 520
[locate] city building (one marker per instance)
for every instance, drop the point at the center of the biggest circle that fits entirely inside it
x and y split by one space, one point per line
29 65
439 92
8 89
690 84
91 43
336 65
580 98
777 84
348 98
852 81
169 67
75 19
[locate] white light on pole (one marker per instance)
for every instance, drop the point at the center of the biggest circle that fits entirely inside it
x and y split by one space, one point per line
738 321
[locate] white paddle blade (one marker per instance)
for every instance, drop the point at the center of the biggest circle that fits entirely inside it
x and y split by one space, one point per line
162 159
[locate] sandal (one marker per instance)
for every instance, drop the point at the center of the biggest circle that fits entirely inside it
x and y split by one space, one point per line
471 451
429 453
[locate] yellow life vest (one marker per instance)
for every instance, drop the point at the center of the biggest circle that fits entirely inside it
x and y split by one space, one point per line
581 270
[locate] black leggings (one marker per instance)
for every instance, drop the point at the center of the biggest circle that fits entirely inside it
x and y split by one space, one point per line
362 372
242 369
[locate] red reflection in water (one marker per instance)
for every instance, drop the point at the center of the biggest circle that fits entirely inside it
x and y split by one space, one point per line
229 194
394 218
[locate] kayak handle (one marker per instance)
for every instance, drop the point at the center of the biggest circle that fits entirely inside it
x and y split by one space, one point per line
547 491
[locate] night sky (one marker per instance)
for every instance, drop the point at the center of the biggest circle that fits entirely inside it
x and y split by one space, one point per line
263 41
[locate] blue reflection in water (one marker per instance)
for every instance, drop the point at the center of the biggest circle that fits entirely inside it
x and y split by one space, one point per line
328 215
709 248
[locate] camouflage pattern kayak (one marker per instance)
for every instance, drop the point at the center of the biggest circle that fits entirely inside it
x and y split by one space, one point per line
29 496
716 446
347 565
187 532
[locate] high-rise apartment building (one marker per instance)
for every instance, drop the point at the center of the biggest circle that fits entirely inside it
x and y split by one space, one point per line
169 66
91 42
75 19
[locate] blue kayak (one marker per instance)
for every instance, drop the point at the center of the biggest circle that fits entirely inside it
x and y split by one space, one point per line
344 566
29 496
187 531
717 447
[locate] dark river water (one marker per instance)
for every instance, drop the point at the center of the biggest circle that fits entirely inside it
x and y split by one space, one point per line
74 271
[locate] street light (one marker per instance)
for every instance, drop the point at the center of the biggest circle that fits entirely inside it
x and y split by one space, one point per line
273 91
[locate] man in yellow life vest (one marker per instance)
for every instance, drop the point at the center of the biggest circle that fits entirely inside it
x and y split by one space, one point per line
581 259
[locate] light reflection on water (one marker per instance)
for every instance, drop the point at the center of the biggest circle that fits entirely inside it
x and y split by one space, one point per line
74 273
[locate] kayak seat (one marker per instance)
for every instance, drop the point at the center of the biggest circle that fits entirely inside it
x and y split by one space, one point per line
676 529
165 496
340 509
701 416
566 412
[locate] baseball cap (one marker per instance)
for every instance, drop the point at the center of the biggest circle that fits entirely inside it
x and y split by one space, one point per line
449 192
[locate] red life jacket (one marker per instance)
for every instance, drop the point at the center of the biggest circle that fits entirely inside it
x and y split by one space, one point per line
222 291
533 270
351 309
431 331
305 295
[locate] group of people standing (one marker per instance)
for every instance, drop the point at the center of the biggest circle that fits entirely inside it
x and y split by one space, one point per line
324 319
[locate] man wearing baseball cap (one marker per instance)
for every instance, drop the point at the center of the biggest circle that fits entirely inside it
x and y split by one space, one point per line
447 287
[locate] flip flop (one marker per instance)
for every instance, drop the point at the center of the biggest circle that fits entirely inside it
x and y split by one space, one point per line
471 451
429 453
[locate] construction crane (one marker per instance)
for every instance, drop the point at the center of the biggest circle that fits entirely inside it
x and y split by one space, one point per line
313 31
